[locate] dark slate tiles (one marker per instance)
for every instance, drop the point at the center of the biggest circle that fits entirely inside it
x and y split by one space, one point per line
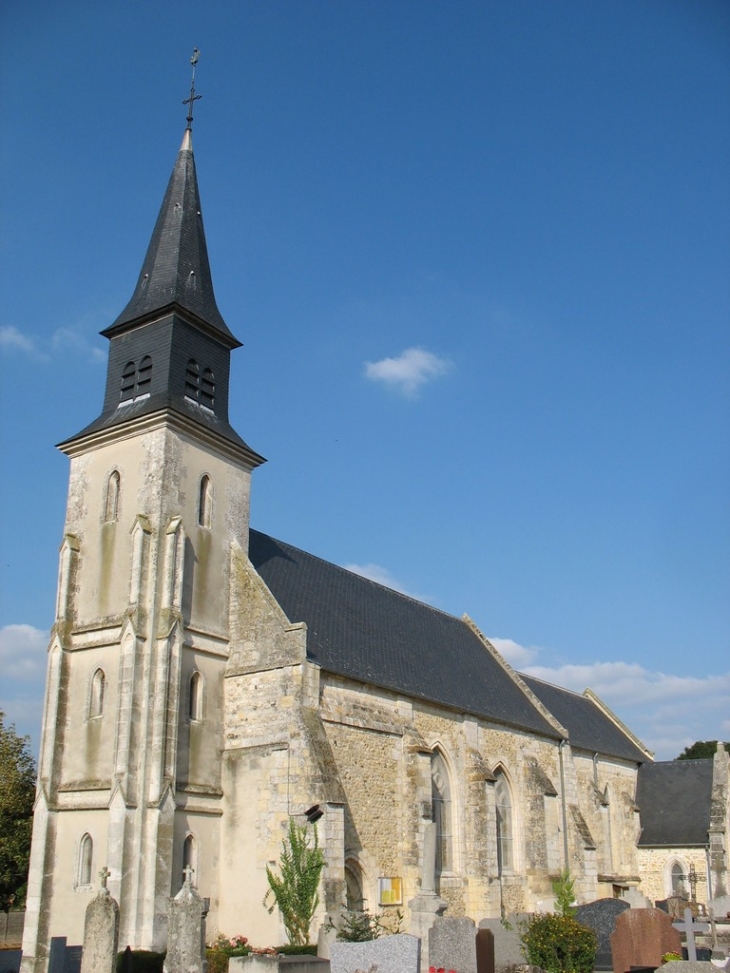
674 798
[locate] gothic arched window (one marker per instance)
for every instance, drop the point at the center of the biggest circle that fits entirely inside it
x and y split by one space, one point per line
442 813
111 501
355 900
96 696
205 501
678 886
505 826
189 857
195 700
86 857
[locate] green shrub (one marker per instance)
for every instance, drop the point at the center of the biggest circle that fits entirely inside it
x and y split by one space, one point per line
145 961
295 891
217 961
298 949
559 944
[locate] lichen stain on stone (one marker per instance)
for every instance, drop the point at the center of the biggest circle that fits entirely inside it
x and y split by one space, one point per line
106 566
202 583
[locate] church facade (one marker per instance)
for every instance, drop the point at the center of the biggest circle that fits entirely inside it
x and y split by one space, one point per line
207 682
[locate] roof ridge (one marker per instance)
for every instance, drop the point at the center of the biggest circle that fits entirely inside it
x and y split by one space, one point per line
362 577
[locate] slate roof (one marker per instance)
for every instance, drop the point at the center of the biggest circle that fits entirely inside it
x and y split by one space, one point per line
674 798
367 632
588 727
176 271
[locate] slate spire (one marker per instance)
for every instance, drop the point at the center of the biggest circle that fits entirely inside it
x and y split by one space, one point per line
175 275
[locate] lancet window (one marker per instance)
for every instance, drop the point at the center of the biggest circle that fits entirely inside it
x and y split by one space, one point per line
96 696
86 858
205 501
505 824
111 501
442 813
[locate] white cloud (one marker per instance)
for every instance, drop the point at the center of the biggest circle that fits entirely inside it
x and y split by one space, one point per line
374 572
23 668
23 652
11 338
62 340
517 655
407 373
666 712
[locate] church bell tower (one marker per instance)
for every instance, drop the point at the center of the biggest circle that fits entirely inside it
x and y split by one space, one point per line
129 770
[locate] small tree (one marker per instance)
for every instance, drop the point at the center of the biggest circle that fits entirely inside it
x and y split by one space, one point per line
296 891
17 793
564 893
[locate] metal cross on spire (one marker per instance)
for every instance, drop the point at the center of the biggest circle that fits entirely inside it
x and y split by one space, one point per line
193 97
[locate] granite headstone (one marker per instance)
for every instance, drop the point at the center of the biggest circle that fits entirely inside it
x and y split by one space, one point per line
508 950
452 944
600 916
641 938
390 954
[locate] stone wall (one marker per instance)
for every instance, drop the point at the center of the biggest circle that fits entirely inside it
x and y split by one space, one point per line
655 866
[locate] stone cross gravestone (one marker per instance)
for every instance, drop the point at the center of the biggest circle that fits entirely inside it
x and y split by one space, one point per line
101 931
427 905
641 937
689 928
391 954
186 931
673 906
601 916
452 944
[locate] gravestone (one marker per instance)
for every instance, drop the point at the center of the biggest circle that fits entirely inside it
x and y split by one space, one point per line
63 958
674 906
507 943
485 951
452 944
101 931
390 954
641 938
601 916
720 907
186 931
427 905
635 899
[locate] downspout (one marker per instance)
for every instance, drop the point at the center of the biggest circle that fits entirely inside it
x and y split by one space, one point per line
563 803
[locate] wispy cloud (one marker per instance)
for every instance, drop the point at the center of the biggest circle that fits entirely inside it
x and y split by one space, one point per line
23 651
667 712
13 340
23 666
517 655
61 341
409 371
383 576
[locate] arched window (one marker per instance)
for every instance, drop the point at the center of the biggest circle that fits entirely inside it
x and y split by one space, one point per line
136 382
195 699
204 501
442 813
505 826
207 389
96 696
192 380
129 380
189 858
86 858
678 879
111 501
354 898
144 377
199 386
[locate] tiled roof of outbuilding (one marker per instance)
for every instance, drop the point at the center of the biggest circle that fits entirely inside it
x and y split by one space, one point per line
364 631
588 727
674 798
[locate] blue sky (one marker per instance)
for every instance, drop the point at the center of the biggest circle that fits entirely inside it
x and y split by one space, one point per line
478 255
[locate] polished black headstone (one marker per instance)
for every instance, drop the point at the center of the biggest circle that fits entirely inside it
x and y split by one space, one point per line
601 916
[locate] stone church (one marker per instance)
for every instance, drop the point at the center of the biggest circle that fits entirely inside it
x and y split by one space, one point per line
207 682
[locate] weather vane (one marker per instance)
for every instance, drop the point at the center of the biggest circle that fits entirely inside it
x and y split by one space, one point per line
193 97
